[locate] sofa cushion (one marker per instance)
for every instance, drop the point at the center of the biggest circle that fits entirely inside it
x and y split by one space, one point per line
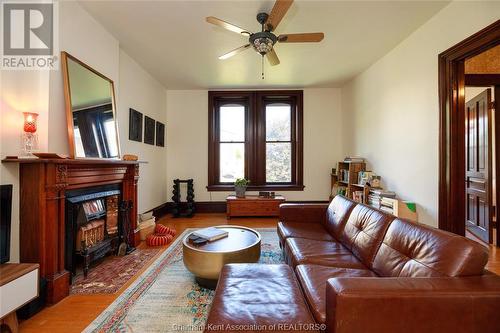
307 251
337 214
415 250
314 231
364 232
256 294
313 281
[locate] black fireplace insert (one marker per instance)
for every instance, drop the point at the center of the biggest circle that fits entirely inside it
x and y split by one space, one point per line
93 225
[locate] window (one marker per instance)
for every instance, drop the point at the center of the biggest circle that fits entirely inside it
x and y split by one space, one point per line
256 135
231 142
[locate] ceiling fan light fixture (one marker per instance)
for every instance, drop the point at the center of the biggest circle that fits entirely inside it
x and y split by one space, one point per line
263 45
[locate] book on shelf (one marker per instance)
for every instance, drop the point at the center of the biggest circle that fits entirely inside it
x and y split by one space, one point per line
364 177
387 202
375 196
382 193
354 159
211 233
387 210
357 196
344 176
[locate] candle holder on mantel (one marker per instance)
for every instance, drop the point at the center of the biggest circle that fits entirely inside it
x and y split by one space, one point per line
29 136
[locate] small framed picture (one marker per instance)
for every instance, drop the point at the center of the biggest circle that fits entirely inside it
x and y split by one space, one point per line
135 125
149 130
160 134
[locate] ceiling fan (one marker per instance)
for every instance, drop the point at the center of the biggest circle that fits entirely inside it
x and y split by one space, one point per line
263 42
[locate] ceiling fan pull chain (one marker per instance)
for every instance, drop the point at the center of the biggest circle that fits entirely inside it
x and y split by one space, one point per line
262 67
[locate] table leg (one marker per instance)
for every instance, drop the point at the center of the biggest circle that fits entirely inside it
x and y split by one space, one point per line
207 283
11 321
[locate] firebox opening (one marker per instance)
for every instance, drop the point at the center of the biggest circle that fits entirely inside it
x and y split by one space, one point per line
92 226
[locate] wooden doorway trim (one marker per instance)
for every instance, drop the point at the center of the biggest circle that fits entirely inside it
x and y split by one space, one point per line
451 216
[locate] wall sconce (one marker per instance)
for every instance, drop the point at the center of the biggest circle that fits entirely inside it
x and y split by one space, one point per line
30 138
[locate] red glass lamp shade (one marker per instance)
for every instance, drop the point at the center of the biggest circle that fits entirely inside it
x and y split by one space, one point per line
30 122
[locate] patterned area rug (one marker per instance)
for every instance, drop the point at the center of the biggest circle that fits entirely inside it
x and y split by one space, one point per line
166 298
109 276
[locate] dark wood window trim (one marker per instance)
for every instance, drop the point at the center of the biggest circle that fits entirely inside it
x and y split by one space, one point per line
451 216
255 138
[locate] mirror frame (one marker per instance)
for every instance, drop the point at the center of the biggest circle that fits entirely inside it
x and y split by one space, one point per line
69 110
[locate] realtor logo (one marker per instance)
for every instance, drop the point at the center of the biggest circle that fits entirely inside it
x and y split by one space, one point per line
29 35
28 29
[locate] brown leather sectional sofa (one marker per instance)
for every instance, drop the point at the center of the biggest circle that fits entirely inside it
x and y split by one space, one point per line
361 270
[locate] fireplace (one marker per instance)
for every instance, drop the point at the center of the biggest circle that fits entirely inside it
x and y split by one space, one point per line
92 225
45 188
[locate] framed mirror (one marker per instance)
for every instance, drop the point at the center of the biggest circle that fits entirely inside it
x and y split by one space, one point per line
90 111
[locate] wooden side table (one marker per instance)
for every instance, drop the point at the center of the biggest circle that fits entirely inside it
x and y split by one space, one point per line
253 205
18 286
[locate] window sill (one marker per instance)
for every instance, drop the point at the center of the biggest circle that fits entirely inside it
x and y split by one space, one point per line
230 188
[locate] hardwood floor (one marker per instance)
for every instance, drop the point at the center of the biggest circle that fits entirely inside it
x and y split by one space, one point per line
75 312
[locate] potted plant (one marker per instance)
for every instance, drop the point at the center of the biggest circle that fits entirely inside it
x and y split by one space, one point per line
240 186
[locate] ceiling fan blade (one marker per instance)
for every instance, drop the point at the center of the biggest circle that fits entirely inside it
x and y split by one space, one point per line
312 37
234 52
272 57
277 13
226 25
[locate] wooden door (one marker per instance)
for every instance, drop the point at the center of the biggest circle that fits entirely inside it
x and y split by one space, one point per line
478 165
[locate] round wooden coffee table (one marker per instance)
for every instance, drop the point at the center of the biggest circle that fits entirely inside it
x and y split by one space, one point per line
242 245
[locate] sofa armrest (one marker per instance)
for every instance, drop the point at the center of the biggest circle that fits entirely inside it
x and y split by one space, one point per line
307 213
466 304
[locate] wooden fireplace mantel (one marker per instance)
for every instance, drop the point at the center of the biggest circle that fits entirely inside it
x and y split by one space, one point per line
43 184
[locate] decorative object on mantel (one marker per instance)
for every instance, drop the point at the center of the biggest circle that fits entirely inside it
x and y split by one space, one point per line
189 209
240 187
149 130
130 157
160 134
30 139
134 125
50 155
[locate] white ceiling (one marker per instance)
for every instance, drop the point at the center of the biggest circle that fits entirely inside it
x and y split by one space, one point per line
173 42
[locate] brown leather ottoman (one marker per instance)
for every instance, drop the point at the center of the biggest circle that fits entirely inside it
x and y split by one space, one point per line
259 298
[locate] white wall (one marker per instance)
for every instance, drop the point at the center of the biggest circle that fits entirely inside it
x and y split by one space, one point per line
187 142
20 91
83 37
140 91
392 108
